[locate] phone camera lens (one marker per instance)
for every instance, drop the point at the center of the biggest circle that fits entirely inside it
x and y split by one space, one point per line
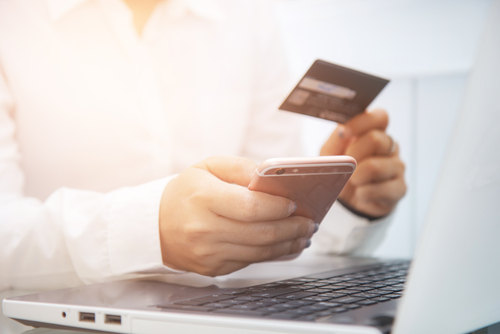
280 171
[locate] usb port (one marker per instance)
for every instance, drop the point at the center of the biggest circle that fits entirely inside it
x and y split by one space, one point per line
113 319
87 317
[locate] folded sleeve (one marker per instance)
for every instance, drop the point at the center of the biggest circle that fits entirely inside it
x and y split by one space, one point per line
74 236
343 232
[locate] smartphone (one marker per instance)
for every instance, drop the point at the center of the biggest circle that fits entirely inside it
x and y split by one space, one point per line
314 183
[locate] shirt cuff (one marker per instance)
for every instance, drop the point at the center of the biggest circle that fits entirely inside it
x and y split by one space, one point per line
133 230
342 232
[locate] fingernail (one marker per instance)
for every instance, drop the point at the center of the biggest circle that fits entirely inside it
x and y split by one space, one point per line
308 243
344 132
316 227
312 229
292 208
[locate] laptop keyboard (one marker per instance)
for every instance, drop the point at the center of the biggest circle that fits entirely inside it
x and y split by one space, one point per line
305 298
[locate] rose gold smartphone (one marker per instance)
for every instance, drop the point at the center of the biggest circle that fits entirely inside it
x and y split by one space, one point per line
313 183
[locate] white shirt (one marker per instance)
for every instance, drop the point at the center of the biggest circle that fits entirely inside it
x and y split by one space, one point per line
95 120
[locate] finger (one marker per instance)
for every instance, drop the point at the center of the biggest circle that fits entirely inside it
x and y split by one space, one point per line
376 170
264 233
377 119
237 170
229 257
212 270
372 143
383 195
337 142
239 203
252 254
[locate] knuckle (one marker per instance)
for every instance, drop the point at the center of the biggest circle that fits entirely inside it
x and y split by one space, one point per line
267 253
295 246
372 166
244 163
207 271
375 137
201 252
402 165
270 233
302 226
195 231
250 206
383 116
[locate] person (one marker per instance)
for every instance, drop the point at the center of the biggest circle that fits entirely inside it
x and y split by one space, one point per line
129 131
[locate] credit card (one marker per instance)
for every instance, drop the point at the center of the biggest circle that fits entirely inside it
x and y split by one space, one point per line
333 92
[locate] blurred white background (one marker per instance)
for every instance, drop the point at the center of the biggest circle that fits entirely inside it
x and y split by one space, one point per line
427 49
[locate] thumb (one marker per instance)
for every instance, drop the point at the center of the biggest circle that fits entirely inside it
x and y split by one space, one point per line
338 141
235 170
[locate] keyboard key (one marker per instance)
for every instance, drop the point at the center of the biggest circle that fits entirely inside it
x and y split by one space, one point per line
192 302
361 288
332 295
348 300
271 309
330 304
393 295
300 311
298 295
233 301
218 305
318 299
240 312
306 279
347 291
234 292
339 309
381 292
249 306
315 308
315 285
391 288
376 285
381 299
288 306
324 313
365 295
249 298
272 300
366 302
283 316
299 302
211 299
318 290
261 304
275 293
361 281
352 306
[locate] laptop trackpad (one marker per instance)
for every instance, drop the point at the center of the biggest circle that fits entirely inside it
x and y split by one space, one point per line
380 315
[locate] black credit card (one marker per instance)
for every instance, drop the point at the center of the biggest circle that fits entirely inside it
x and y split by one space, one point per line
333 92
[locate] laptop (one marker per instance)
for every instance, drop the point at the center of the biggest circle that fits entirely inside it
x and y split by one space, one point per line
451 286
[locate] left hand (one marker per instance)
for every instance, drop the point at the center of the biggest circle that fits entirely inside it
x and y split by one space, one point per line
378 182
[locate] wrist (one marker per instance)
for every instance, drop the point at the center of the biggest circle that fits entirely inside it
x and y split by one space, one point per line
360 213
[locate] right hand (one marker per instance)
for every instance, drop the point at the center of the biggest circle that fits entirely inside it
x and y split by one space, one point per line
211 224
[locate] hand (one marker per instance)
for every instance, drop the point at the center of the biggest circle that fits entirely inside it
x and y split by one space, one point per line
211 224
378 182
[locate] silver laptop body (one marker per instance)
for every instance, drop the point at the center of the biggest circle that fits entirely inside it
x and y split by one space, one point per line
453 285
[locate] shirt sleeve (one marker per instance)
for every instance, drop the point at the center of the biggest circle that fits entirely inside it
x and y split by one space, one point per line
74 236
274 133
